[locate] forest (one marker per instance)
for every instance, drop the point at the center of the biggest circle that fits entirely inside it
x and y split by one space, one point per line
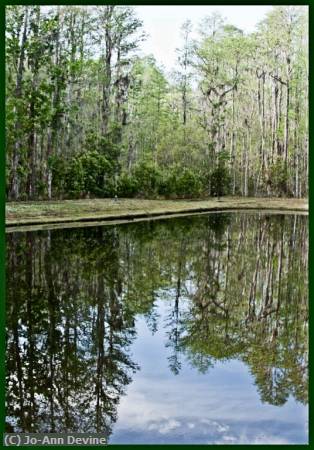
88 116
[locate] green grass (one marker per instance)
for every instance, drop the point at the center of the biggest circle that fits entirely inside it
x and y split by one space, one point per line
45 212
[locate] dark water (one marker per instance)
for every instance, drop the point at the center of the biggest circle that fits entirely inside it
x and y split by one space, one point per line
190 330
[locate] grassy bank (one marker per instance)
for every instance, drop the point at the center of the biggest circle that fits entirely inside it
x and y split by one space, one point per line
76 211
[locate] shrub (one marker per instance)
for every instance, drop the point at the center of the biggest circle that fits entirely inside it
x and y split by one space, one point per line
58 168
127 186
147 177
188 184
98 174
180 182
278 178
220 181
74 178
87 173
168 183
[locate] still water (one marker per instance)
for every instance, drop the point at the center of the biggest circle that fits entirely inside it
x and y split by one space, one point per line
188 330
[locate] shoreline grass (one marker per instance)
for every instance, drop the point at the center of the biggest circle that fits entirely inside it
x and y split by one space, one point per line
95 210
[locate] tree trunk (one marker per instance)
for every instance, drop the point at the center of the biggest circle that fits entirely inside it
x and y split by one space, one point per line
106 83
18 96
52 132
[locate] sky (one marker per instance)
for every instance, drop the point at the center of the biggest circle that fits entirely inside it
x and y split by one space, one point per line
162 24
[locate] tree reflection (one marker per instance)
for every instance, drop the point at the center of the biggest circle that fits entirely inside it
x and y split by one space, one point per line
235 286
257 311
68 332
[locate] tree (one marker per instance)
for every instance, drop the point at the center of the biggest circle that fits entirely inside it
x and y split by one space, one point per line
75 83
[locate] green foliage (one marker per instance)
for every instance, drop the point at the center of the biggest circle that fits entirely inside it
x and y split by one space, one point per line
188 183
220 181
127 186
74 178
58 167
167 185
149 181
103 145
92 173
181 182
278 178
89 173
98 173
147 176
227 96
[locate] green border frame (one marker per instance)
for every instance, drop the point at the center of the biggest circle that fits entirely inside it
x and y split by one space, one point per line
2 199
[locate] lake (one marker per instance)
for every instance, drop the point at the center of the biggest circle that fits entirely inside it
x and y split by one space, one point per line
186 330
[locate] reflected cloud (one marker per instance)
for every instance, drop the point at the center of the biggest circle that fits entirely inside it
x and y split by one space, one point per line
169 430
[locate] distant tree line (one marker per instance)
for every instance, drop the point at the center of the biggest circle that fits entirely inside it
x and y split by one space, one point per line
87 116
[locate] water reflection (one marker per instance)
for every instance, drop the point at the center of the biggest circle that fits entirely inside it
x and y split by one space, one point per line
222 287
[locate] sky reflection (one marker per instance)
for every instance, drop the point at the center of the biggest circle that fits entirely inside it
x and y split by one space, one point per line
219 407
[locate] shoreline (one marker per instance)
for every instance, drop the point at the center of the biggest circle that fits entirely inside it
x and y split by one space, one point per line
21 216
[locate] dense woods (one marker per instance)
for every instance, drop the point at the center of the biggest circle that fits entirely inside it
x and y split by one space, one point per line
87 115
232 287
